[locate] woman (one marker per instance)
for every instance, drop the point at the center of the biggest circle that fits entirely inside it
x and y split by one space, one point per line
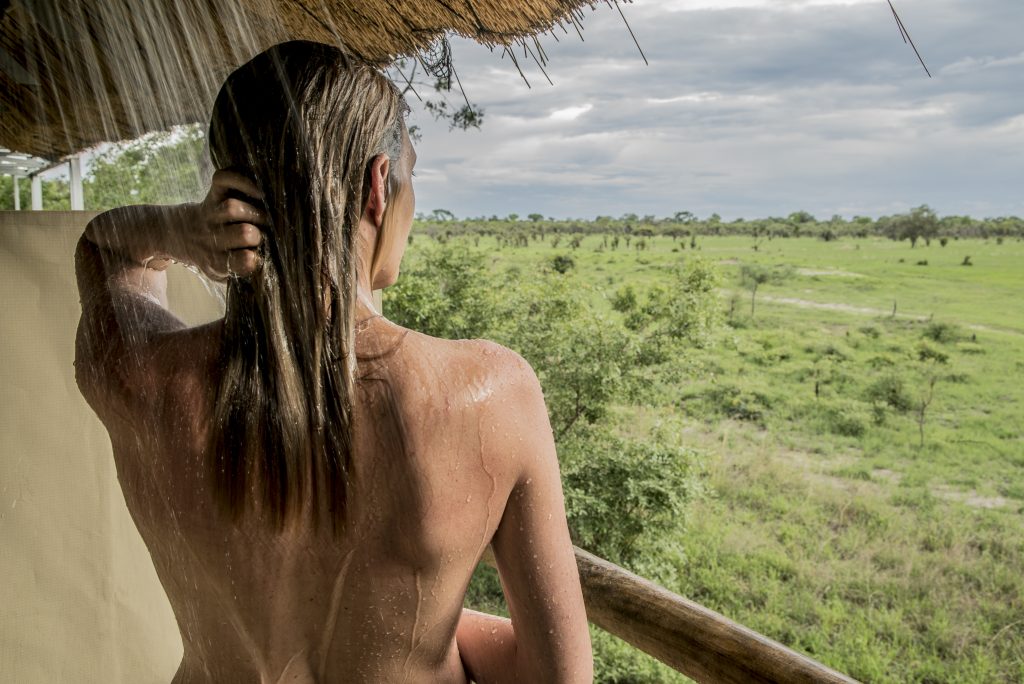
315 483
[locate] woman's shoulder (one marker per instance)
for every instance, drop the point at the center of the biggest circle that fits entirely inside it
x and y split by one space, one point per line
483 365
479 355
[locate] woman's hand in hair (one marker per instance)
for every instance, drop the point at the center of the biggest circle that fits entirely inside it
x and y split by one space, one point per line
231 221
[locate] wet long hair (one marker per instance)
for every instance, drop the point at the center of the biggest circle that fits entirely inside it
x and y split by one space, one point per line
305 122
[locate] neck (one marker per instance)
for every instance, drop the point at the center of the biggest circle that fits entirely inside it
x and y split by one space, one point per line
365 307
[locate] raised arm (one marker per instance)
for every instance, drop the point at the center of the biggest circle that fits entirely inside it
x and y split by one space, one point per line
135 244
120 265
548 640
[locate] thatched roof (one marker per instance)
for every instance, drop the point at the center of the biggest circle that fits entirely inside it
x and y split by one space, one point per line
78 72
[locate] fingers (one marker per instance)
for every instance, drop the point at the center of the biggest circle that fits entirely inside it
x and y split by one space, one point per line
236 236
235 225
242 263
225 180
234 210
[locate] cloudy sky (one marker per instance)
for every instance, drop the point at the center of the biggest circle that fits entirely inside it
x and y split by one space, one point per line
748 108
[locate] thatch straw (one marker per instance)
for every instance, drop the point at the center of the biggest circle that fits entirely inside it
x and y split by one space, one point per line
78 72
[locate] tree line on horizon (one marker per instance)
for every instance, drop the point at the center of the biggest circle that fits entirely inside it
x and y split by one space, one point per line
918 225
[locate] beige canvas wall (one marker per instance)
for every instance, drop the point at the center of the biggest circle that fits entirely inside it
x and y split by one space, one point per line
79 599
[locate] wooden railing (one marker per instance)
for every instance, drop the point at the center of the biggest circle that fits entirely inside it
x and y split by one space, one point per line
698 642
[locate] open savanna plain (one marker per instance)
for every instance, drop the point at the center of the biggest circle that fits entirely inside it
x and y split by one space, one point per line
862 440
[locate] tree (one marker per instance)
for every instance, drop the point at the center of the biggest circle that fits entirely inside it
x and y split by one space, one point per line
801 217
441 215
675 315
158 168
416 75
56 193
921 222
535 217
752 276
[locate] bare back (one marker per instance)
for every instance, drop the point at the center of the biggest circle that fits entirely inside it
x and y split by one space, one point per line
382 602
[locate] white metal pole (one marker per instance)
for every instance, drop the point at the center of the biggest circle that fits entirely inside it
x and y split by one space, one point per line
77 200
37 192
17 195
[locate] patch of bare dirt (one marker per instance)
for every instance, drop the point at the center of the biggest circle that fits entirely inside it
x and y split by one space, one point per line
971 498
828 272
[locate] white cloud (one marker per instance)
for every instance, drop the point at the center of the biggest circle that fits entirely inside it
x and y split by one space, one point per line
714 97
972 64
570 113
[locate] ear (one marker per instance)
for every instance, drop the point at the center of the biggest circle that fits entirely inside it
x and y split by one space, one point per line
377 199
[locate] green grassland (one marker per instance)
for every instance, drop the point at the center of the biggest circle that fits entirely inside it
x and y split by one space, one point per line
840 519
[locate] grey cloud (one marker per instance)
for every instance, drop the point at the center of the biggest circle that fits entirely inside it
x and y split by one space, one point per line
761 112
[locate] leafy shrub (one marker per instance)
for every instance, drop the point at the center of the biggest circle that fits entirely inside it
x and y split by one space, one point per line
443 292
682 312
624 299
563 263
944 333
881 361
890 391
736 402
926 352
847 419
837 417
828 349
622 496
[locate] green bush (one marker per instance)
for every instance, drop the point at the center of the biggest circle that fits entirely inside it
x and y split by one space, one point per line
944 333
563 263
891 391
926 352
624 299
736 402
848 419
622 496
444 292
